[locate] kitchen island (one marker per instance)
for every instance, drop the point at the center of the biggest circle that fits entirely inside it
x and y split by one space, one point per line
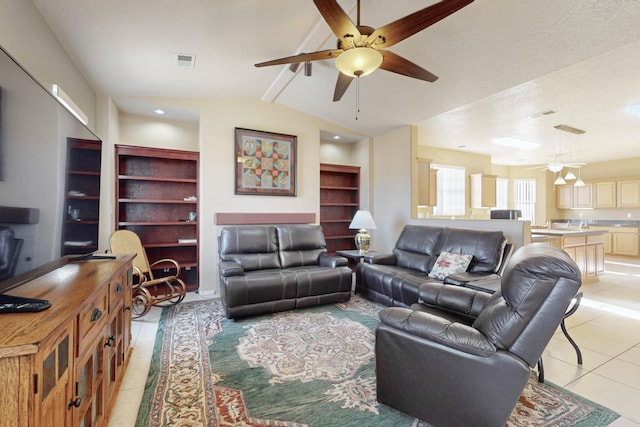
585 247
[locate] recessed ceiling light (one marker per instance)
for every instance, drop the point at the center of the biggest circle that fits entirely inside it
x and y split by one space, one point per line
159 112
634 109
336 136
512 142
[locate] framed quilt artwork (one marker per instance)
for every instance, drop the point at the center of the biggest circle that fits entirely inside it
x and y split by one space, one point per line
265 163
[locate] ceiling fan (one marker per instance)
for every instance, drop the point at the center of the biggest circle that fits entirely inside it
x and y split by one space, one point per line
558 166
360 48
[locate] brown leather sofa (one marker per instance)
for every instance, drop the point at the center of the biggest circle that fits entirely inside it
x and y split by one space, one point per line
458 358
394 279
271 268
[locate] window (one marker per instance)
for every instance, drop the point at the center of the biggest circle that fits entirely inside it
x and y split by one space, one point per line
502 193
451 190
524 198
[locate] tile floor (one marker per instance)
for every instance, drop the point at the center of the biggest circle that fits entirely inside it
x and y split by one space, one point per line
606 327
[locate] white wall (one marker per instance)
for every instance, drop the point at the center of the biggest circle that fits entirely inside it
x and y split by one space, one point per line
391 187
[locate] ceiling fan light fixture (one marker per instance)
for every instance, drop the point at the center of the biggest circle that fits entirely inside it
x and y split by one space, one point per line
359 61
570 176
579 183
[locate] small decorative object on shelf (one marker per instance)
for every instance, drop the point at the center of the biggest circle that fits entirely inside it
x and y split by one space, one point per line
363 222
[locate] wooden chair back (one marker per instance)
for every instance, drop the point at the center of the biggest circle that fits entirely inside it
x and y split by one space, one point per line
126 241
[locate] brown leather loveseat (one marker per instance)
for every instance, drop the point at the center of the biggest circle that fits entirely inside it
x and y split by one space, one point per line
271 268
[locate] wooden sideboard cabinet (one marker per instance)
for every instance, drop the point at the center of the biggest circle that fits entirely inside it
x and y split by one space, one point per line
63 366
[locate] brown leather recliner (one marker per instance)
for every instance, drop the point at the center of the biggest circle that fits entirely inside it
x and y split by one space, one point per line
461 357
9 252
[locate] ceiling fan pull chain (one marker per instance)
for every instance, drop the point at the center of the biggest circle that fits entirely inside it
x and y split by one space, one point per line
357 97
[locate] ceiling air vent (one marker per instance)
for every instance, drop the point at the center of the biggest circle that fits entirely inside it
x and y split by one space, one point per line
185 60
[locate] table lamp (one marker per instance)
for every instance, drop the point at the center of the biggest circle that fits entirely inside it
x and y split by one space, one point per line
363 221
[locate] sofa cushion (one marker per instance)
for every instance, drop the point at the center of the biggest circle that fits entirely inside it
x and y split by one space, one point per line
253 247
300 244
485 246
449 263
416 247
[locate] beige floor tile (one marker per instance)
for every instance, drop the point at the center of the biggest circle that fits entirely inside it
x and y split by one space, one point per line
622 372
631 356
624 422
614 395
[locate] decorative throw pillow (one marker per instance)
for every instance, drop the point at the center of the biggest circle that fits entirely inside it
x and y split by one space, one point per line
449 263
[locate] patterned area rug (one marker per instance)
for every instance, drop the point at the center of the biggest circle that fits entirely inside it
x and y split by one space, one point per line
312 367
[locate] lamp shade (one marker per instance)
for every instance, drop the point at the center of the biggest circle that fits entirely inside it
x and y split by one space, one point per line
363 219
359 61
559 180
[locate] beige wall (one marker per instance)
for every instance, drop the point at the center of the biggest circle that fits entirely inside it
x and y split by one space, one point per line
25 35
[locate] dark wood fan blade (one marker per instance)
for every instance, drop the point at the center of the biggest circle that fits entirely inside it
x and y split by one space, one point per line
341 86
338 20
397 64
303 57
399 30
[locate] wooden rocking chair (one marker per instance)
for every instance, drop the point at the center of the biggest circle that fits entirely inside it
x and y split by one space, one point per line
149 290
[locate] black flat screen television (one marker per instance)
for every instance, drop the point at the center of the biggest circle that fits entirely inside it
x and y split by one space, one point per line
34 128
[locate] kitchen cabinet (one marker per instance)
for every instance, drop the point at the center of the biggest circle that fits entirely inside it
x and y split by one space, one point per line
620 240
586 248
427 183
625 241
483 190
583 196
63 366
605 194
628 195
564 196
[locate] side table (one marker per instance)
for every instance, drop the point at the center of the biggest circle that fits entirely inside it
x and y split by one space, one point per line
354 256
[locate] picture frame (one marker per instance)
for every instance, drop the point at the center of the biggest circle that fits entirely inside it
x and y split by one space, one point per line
265 163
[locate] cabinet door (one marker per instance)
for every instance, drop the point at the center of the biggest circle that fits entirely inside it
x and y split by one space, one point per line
629 194
583 196
605 194
599 259
483 190
564 196
54 378
625 244
88 403
591 262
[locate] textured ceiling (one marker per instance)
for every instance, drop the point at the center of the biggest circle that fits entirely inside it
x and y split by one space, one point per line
499 62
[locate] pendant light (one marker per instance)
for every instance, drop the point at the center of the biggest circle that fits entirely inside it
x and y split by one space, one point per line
570 176
560 181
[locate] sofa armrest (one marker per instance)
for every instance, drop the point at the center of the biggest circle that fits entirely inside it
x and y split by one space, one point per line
230 268
486 282
437 329
386 259
326 260
456 299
